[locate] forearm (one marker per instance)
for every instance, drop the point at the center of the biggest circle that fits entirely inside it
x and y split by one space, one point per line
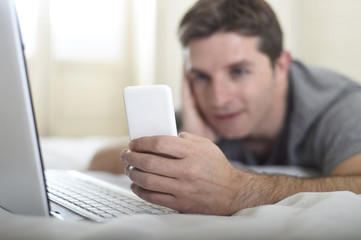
263 189
108 158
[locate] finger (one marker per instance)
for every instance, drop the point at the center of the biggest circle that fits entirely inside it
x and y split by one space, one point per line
192 137
162 199
167 145
152 182
153 164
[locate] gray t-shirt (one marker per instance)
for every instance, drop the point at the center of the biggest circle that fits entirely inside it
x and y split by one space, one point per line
322 127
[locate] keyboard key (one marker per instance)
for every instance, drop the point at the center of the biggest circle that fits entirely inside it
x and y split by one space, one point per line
97 199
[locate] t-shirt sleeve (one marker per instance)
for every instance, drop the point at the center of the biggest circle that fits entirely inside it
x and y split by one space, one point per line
337 134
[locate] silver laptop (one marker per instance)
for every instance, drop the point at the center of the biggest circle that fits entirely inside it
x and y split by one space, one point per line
24 186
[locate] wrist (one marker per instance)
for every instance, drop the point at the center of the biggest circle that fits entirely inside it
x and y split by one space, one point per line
258 189
245 191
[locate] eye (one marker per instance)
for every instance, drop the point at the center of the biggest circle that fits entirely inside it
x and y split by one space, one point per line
237 71
200 77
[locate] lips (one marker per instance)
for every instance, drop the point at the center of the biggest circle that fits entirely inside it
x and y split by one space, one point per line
228 116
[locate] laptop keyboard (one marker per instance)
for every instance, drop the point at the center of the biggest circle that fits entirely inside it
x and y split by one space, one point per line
94 201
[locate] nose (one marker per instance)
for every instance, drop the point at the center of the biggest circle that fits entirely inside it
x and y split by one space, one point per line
222 92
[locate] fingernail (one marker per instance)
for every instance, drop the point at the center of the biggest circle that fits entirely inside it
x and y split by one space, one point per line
182 134
126 171
122 155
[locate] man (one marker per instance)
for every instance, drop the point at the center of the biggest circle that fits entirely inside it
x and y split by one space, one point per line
243 93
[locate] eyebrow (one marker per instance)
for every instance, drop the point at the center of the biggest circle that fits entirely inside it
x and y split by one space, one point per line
242 63
197 71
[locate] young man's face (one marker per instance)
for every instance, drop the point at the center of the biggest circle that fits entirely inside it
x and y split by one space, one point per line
233 84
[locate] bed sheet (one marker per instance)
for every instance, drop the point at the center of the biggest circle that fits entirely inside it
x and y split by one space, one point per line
334 215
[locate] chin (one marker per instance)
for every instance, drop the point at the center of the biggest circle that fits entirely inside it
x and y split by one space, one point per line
233 135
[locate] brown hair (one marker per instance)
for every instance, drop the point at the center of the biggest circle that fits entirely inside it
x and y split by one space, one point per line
246 17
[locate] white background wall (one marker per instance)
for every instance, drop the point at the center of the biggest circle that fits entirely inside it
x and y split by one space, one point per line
82 53
323 32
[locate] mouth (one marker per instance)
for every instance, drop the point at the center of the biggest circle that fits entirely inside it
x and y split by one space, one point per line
229 116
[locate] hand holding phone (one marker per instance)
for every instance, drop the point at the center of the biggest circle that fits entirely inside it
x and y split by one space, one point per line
150 111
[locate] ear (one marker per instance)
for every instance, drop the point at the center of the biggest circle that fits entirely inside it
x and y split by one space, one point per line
282 65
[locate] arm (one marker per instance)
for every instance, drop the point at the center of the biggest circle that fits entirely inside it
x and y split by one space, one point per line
107 159
345 177
201 180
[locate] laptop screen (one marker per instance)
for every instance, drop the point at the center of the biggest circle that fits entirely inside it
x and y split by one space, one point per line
22 184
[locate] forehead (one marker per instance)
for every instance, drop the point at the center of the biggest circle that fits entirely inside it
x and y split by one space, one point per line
221 49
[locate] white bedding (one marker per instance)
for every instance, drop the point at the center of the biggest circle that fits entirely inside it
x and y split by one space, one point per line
335 215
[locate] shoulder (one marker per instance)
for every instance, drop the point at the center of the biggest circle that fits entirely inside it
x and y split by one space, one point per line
319 83
313 90
325 120
336 135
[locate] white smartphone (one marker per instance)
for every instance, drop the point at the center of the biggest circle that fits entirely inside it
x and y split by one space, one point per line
150 111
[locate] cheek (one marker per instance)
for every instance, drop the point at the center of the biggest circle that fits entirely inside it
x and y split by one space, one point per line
251 95
258 89
260 97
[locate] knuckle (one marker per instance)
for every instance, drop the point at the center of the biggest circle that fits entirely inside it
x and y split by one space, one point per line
192 173
159 144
